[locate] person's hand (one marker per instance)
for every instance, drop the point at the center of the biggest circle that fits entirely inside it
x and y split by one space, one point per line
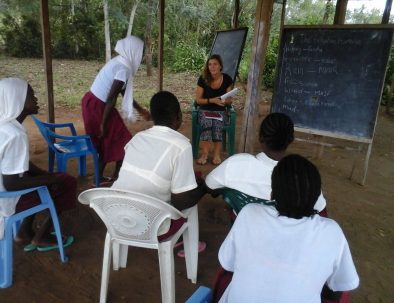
145 114
103 131
199 178
228 101
217 101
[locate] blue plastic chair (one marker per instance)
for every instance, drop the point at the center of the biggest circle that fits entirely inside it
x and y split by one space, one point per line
12 223
66 147
228 142
202 295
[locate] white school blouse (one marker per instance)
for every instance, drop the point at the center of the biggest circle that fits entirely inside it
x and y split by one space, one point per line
14 159
249 174
278 259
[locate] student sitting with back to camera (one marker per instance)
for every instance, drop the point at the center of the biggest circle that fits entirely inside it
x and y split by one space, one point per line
285 253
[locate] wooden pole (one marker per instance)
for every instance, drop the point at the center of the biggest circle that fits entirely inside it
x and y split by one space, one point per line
260 41
340 12
385 20
283 16
161 42
387 11
46 47
236 14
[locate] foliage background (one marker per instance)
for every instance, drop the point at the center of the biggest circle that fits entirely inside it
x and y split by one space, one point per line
77 28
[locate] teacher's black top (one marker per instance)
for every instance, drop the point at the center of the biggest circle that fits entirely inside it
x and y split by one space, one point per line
209 92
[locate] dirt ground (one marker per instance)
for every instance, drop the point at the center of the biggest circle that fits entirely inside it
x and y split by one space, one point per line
364 212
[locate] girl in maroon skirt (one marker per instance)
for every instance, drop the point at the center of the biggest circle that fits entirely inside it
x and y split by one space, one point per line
102 120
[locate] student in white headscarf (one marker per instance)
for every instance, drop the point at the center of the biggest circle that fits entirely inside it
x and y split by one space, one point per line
102 120
17 101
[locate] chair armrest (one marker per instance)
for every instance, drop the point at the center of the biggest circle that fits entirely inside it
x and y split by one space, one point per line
17 193
68 125
70 140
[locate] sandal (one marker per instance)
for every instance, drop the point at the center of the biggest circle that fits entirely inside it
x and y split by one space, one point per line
104 182
201 247
66 243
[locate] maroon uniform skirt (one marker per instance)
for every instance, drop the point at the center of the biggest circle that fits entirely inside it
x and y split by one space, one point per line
110 148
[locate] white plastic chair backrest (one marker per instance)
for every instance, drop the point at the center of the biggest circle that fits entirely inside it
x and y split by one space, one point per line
129 215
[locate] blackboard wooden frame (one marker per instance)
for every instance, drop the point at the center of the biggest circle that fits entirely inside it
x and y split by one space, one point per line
230 68
310 130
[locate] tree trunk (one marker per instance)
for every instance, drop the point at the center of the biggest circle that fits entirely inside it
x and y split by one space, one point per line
148 39
106 32
132 15
327 11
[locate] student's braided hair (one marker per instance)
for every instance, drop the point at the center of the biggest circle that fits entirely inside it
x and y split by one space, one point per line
296 186
164 108
277 131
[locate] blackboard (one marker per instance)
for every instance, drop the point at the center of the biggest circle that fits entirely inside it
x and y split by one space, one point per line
330 79
229 45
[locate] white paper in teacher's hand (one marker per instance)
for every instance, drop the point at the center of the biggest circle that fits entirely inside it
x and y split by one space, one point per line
231 93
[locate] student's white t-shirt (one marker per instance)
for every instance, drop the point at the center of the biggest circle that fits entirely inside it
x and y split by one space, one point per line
14 159
112 70
249 174
278 259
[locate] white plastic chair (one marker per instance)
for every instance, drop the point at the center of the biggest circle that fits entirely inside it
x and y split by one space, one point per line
134 219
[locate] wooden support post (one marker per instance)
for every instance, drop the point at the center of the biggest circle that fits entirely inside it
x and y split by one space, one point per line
260 41
236 14
387 11
46 47
340 12
161 43
354 161
283 15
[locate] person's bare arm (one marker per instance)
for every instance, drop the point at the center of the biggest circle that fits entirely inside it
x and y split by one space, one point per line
36 171
116 88
188 198
16 182
142 111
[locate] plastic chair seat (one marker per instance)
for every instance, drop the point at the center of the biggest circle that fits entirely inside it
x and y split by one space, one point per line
134 219
228 130
12 223
65 147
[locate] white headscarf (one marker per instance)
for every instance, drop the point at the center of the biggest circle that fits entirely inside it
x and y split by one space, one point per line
13 93
130 54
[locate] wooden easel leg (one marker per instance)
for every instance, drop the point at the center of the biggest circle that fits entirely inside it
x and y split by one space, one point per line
320 147
366 163
354 162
